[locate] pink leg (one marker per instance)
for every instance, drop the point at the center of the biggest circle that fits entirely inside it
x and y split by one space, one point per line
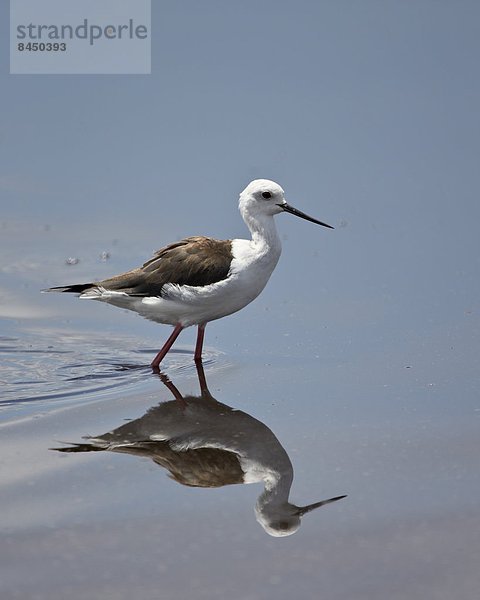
198 348
166 347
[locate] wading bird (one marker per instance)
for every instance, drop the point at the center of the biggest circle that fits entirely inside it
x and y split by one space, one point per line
201 279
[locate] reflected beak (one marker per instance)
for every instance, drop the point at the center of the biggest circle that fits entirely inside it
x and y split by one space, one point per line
305 509
298 213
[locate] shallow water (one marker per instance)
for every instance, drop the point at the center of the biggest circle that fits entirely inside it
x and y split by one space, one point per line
87 513
347 393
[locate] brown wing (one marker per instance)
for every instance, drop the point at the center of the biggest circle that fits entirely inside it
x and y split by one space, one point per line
196 261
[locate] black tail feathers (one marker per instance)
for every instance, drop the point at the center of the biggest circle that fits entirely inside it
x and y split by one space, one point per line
72 289
79 448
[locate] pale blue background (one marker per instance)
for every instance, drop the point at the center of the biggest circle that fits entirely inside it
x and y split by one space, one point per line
362 354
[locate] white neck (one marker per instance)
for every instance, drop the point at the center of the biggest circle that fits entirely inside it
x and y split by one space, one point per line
263 230
273 505
277 489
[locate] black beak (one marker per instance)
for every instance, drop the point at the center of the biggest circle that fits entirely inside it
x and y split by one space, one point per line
305 509
298 213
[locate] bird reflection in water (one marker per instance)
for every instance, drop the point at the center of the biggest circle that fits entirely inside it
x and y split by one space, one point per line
204 443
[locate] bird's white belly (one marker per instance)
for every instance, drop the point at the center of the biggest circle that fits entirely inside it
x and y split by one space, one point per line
190 305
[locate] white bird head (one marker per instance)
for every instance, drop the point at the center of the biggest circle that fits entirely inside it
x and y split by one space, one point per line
263 197
281 520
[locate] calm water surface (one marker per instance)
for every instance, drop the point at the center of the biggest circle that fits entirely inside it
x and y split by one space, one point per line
101 497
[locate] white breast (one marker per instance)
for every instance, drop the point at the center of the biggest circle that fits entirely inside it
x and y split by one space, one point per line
252 266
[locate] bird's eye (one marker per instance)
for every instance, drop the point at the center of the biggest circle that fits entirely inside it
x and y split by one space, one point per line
266 195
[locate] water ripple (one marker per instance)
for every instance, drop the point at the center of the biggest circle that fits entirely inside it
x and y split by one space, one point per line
52 366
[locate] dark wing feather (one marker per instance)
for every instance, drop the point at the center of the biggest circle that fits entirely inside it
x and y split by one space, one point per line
196 261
